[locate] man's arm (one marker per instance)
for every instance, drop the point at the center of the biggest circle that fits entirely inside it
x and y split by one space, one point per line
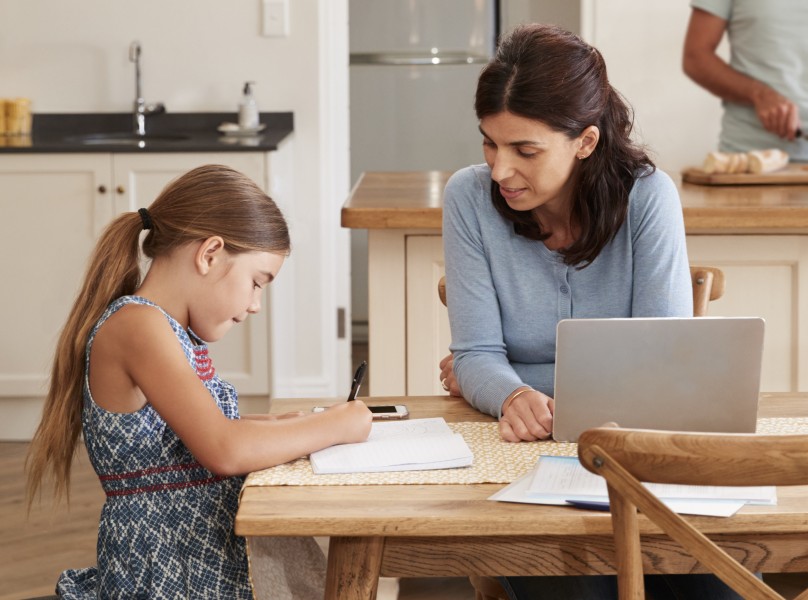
701 63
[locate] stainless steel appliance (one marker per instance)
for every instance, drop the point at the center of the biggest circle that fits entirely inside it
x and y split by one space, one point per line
414 67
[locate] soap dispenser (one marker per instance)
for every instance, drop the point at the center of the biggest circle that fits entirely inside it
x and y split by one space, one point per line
248 109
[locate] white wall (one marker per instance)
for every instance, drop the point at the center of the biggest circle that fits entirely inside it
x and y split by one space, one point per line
641 42
73 57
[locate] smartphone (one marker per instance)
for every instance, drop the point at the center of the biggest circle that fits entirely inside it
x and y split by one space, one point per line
389 411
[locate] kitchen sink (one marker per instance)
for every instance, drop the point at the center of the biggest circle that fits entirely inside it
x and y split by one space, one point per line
124 138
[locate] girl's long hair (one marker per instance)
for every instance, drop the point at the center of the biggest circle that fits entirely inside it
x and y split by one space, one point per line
545 73
207 201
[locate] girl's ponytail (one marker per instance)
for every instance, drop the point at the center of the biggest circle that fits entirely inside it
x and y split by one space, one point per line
113 271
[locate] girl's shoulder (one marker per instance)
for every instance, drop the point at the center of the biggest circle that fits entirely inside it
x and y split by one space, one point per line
135 316
136 305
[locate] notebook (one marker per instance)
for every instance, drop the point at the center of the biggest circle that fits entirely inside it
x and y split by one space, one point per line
682 374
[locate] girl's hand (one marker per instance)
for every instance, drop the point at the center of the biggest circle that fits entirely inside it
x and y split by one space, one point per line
529 417
447 378
352 421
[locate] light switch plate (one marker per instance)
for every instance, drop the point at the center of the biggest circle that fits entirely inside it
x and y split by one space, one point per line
275 18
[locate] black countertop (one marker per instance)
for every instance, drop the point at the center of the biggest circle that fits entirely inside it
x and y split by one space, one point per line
172 132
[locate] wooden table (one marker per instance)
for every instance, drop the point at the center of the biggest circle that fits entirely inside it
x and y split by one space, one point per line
453 530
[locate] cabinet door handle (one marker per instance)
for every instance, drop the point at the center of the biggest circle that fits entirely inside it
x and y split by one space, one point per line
102 189
120 189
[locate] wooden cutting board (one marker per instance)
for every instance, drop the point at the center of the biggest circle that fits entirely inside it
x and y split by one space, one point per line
792 173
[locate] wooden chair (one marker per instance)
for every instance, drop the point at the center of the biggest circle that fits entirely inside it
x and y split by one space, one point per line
627 457
708 285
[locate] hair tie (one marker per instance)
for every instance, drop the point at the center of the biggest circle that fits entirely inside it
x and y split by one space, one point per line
145 217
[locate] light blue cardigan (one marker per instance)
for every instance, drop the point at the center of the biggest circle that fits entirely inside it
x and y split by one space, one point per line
506 293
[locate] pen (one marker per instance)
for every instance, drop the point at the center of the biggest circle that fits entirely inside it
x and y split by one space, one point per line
357 380
588 504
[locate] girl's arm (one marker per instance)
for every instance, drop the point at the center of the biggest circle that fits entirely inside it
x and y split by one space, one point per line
150 354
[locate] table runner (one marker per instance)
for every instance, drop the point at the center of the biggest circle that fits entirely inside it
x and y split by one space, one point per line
495 461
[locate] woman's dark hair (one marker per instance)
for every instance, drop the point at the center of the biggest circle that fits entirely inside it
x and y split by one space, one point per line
545 73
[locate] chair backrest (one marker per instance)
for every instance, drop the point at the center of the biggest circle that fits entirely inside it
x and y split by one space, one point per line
708 285
628 457
442 290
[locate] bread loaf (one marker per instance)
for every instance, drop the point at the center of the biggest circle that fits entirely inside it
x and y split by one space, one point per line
755 161
766 161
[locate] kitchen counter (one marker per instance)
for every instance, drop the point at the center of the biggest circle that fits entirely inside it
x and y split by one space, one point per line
755 233
192 132
414 200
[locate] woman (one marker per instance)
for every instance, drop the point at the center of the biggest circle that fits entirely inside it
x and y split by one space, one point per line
568 218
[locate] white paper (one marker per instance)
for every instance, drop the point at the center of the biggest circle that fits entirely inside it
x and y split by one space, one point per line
410 445
566 478
565 475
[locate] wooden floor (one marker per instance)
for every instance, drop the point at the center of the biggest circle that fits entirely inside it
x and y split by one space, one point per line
35 548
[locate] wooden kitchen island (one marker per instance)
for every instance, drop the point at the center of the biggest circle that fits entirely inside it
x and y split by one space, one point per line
758 234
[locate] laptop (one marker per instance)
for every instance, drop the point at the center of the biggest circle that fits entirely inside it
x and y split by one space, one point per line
681 374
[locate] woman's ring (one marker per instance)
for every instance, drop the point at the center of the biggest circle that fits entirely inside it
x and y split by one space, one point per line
443 384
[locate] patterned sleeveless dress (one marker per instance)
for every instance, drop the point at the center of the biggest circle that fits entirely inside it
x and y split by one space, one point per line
166 527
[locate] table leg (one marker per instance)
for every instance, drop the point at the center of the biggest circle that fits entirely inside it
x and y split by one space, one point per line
354 564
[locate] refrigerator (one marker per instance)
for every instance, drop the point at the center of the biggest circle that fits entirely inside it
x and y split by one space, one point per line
413 72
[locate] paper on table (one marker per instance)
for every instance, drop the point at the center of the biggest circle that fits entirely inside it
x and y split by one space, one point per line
517 492
564 477
415 444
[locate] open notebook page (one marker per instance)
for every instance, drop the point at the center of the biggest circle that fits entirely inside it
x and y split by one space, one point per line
415 444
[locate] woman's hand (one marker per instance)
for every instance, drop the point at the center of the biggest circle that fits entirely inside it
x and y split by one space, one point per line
526 416
447 378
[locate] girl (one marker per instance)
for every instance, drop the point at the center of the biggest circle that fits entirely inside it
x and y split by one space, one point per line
132 374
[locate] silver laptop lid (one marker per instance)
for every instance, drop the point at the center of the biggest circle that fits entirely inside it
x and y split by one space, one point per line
681 374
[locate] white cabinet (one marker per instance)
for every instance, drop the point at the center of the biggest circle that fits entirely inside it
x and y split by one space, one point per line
408 329
52 214
766 276
54 206
428 334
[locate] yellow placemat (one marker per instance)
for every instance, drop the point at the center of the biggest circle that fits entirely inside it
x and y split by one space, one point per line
495 461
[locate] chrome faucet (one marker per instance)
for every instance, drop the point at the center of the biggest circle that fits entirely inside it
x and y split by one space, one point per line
141 108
